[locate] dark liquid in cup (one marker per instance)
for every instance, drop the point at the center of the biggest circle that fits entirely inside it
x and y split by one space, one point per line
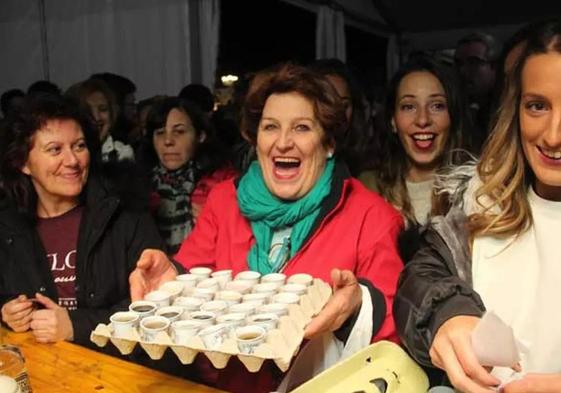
154 325
142 308
248 336
202 317
169 314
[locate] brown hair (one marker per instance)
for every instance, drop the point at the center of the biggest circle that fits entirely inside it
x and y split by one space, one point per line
291 78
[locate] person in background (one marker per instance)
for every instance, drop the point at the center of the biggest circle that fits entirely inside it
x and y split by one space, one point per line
11 101
124 90
43 87
358 134
500 227
68 242
296 210
185 163
476 59
94 95
425 125
199 95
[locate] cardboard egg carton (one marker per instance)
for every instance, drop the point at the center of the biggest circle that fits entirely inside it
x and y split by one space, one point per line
280 344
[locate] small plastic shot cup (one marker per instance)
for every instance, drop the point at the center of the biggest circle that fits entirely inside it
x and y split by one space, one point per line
213 336
173 313
201 272
189 303
218 307
161 298
174 288
182 331
124 323
249 276
268 321
300 278
143 308
151 326
286 297
249 338
222 276
298 289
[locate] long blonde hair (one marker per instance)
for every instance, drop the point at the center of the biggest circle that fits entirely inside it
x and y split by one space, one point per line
503 169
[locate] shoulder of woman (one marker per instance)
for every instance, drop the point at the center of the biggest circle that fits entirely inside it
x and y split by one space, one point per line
124 180
369 179
359 197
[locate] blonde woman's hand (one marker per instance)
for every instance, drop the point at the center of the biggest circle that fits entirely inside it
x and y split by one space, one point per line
452 351
51 324
152 269
345 301
17 313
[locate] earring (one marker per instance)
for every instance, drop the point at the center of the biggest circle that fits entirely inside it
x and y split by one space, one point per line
329 154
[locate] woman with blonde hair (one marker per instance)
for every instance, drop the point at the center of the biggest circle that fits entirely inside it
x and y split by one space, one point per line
496 248
95 96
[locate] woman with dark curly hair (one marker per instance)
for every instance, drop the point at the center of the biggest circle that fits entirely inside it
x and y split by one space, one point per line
68 242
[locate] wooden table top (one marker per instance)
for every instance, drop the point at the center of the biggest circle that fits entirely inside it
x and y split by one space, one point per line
66 367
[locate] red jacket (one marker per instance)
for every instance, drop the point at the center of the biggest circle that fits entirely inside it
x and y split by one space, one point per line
357 230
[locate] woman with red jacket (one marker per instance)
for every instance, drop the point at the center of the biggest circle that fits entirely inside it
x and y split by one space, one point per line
296 210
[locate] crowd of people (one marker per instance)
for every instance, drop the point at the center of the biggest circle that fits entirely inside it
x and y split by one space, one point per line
422 218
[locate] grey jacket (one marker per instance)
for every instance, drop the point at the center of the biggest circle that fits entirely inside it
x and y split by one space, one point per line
437 284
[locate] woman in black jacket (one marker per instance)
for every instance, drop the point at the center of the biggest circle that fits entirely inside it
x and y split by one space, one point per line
67 242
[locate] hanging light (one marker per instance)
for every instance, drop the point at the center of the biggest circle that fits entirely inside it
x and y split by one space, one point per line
229 80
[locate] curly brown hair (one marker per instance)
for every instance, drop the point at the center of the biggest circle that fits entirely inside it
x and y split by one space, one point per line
291 78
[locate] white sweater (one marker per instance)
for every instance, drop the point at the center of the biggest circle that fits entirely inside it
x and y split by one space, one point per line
520 280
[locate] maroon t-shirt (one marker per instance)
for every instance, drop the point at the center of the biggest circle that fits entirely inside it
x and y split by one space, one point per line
60 239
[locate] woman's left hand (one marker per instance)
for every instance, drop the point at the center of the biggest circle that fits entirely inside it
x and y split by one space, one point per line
534 383
51 324
345 301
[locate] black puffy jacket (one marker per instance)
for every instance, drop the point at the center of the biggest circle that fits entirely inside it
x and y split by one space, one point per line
110 241
436 285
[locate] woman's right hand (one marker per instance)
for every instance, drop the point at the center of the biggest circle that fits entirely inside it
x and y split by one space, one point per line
452 351
152 269
17 313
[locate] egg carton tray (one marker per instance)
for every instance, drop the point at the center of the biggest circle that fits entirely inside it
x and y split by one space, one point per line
280 344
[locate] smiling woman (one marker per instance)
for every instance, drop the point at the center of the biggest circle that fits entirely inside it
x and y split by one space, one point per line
503 227
58 165
67 243
291 146
426 123
296 210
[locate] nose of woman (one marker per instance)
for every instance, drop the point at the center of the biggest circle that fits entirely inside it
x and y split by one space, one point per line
169 140
423 118
70 157
285 140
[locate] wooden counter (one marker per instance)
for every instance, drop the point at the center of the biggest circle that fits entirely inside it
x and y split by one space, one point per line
66 367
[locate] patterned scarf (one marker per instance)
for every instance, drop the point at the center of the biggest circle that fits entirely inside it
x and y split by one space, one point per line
174 218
